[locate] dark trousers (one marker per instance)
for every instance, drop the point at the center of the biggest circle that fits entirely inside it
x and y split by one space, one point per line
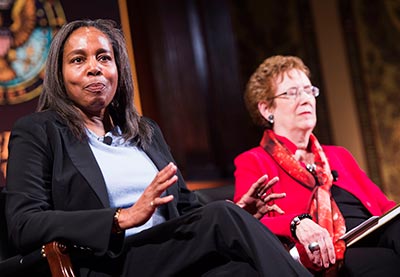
219 239
378 254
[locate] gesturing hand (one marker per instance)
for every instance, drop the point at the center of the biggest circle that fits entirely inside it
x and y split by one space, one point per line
256 199
143 209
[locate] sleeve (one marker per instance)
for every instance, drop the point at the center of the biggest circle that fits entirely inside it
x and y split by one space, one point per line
250 166
246 173
31 217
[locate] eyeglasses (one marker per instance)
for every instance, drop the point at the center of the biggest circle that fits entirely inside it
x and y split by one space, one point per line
293 93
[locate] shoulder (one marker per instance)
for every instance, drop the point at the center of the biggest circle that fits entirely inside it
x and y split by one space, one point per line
155 128
336 150
150 122
339 155
255 153
157 137
37 130
37 120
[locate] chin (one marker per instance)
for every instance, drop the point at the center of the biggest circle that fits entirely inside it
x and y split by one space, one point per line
308 126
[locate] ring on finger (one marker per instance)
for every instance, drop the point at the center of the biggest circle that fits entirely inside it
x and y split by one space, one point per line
314 246
152 203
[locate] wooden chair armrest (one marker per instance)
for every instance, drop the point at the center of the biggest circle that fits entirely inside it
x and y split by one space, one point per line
58 258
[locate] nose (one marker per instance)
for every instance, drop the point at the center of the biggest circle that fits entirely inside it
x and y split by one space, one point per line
304 98
94 67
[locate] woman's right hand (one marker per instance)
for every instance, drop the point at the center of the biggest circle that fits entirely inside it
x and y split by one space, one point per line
307 231
139 213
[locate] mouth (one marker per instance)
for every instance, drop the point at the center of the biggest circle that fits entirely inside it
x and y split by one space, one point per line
95 87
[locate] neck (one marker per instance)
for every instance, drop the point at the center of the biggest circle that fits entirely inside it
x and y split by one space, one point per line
99 124
300 137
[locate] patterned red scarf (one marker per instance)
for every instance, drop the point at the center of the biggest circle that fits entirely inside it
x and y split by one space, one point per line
322 206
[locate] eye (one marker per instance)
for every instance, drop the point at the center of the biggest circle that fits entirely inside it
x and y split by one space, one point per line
291 92
77 60
105 58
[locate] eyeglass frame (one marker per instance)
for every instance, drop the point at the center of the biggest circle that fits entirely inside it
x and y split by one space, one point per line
314 91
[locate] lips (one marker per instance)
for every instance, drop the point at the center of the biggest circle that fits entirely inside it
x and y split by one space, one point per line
95 87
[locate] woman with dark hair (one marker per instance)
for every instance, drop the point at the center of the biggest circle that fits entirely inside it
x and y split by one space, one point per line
88 170
122 109
327 192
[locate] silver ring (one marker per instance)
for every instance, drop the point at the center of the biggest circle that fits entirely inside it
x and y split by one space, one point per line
152 203
314 246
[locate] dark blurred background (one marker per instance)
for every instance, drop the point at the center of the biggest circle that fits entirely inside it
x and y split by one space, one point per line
193 58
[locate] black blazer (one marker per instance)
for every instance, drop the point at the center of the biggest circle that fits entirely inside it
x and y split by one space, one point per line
55 189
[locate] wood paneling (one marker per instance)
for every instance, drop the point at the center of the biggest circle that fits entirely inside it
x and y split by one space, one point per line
193 59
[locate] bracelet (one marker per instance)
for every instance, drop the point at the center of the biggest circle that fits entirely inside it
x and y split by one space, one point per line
116 229
296 221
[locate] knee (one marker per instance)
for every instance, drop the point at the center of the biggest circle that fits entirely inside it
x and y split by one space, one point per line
227 211
220 207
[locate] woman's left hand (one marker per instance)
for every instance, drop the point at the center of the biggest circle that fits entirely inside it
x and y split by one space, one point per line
308 232
256 199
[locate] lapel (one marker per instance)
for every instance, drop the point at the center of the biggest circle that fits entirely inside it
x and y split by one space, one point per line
156 156
159 154
82 157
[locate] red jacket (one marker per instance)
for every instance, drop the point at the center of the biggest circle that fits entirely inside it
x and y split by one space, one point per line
252 164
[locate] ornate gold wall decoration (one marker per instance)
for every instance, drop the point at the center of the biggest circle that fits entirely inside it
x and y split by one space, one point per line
26 30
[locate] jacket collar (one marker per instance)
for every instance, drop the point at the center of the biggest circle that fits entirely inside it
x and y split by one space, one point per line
82 157
85 162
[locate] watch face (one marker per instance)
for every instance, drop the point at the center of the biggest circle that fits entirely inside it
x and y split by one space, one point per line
26 30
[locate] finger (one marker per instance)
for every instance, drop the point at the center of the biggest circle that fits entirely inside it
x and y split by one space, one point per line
166 176
166 184
275 208
166 173
272 182
323 254
329 256
158 201
273 196
266 186
264 209
313 256
256 187
317 258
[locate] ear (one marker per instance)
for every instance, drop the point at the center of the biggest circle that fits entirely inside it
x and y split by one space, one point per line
264 109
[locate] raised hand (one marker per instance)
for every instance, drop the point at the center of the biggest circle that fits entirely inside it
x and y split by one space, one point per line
140 212
256 199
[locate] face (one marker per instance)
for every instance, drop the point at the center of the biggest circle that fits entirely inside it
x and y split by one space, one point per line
292 115
89 70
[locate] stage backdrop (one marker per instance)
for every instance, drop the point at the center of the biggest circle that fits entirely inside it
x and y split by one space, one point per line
193 59
372 33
